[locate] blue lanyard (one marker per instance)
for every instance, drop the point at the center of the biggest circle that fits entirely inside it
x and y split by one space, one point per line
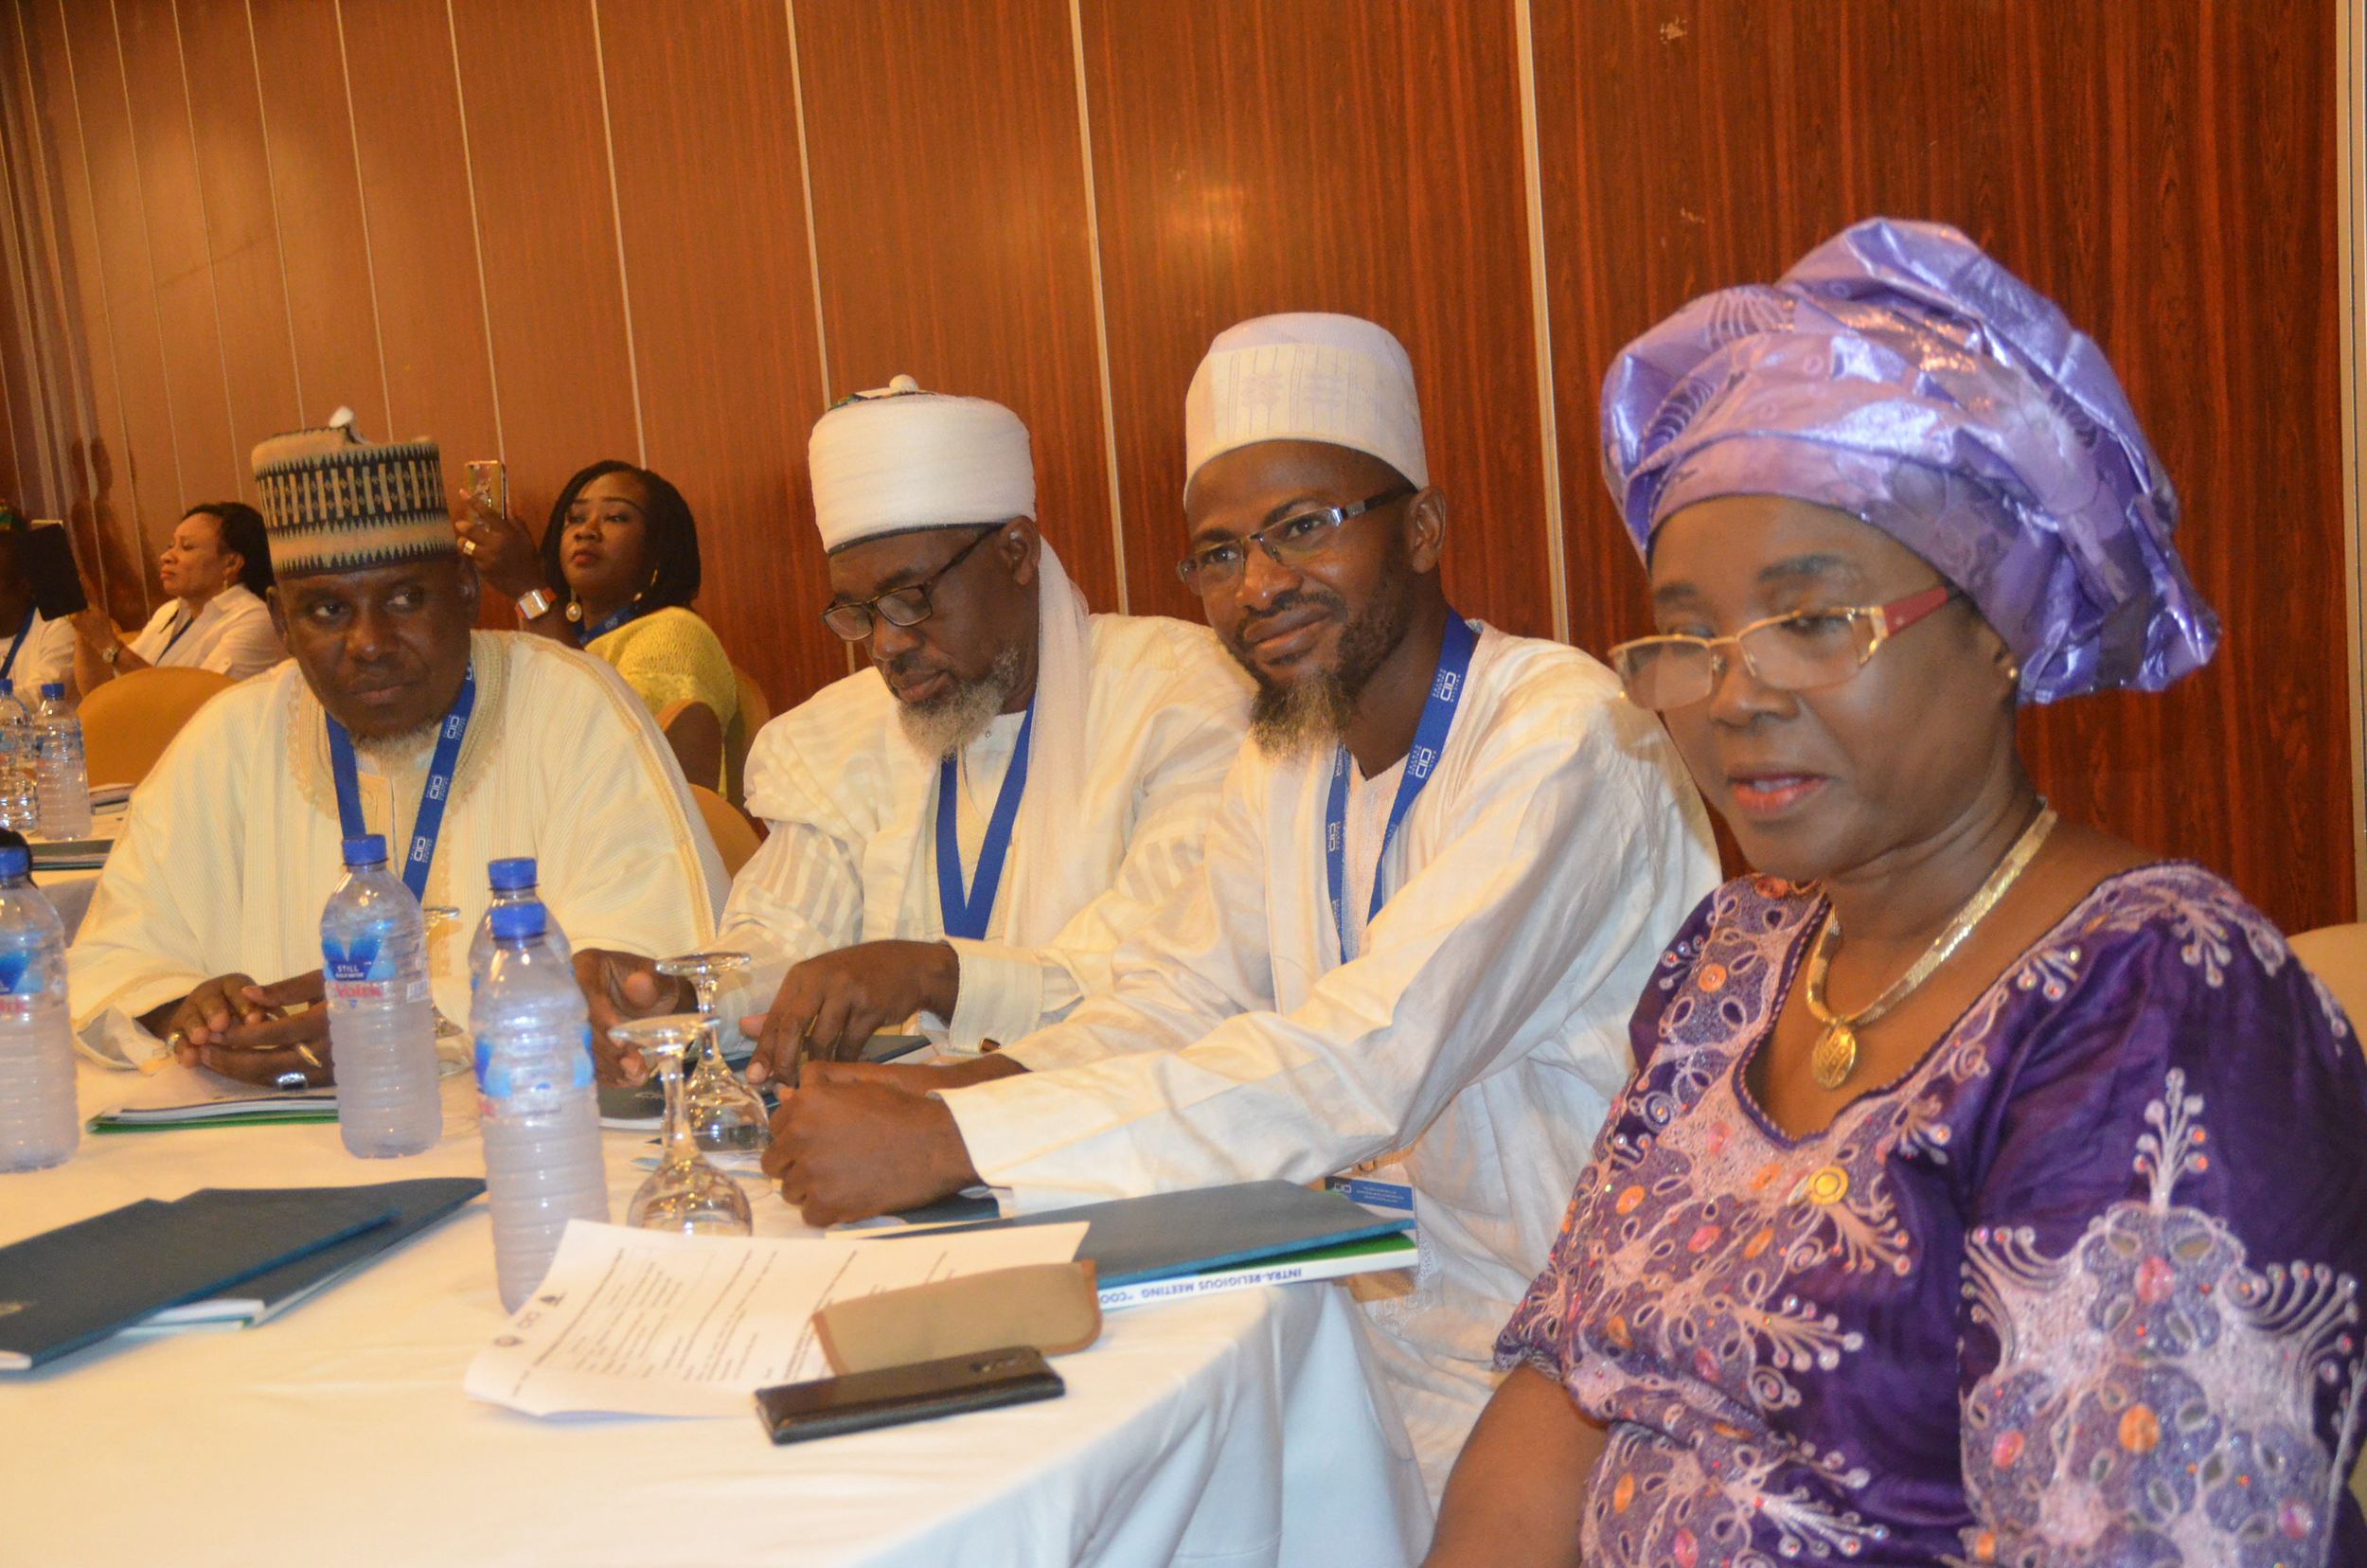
1430 739
8 665
187 620
966 916
611 621
429 824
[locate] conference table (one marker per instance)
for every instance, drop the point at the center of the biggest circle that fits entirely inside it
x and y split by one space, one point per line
1235 1429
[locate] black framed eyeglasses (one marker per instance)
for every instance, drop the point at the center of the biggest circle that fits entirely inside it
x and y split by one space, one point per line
1296 538
907 606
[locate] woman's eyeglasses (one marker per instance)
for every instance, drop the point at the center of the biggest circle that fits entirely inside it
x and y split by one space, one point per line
1295 539
907 606
1796 652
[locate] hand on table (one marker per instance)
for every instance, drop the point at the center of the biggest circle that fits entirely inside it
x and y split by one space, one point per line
855 1139
829 1005
618 985
256 1034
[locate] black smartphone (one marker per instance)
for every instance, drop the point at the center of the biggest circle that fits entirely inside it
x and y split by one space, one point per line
48 561
795 1413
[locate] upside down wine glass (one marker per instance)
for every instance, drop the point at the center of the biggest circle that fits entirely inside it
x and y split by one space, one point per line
725 1115
684 1193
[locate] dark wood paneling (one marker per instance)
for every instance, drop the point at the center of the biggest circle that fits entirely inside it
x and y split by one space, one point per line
2164 170
1298 154
723 328
537 157
317 195
423 251
241 237
949 206
179 262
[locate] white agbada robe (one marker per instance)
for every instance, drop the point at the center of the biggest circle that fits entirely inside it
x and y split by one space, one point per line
231 845
1136 720
231 635
1481 1031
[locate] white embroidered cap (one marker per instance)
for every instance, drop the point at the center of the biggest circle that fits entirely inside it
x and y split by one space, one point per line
896 459
1306 375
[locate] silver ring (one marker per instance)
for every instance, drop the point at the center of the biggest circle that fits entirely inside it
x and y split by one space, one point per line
291 1079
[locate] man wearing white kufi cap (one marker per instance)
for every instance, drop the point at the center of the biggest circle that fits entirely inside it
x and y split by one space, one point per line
1438 880
395 718
966 831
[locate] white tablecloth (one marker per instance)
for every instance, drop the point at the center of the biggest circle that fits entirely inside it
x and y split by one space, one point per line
1235 1428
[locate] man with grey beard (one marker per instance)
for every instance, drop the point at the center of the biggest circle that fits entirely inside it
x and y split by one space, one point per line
962 834
1439 878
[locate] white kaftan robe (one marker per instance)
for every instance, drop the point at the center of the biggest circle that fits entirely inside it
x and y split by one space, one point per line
1109 823
1481 1029
231 845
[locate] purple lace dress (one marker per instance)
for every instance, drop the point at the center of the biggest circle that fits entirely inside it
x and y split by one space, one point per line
2081 1288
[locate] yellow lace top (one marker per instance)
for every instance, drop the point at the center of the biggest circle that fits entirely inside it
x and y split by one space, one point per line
668 656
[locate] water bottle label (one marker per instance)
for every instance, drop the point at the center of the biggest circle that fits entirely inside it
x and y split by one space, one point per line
499 1083
341 989
19 975
355 960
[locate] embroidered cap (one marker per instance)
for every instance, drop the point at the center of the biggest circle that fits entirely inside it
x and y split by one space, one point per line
335 502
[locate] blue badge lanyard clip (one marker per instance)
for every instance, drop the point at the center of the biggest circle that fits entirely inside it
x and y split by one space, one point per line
429 825
965 914
1430 741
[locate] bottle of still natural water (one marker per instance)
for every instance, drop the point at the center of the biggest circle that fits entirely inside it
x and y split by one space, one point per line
38 1123
58 767
539 1111
20 799
381 1021
513 883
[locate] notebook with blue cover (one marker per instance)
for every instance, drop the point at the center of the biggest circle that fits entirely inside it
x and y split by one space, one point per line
1132 1240
417 1204
73 1286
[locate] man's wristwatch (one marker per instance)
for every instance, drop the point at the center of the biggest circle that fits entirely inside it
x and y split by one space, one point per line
535 604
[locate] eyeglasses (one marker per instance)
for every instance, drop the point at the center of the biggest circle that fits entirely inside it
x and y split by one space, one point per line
1796 652
1295 539
907 606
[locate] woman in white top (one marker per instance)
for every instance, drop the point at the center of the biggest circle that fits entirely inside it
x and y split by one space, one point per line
218 569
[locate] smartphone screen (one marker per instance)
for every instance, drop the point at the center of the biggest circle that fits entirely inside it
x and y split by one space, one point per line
489 487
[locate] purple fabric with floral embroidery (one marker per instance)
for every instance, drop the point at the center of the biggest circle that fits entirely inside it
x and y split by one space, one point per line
2080 1289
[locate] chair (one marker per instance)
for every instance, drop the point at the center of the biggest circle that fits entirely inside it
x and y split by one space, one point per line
734 839
754 713
2337 956
128 723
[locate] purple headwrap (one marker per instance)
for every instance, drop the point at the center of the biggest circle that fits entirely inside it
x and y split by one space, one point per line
1898 374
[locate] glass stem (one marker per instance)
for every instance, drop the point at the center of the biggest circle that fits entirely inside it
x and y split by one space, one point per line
681 1148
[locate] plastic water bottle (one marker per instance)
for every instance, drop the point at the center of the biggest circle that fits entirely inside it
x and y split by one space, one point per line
38 1123
381 1021
20 797
539 1111
58 764
513 883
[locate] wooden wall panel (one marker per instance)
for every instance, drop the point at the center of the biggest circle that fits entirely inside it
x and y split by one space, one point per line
323 242
1264 156
148 459
257 345
100 502
723 328
537 162
949 208
2166 173
180 265
423 266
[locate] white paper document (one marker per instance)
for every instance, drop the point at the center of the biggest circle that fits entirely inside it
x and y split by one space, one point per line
644 1323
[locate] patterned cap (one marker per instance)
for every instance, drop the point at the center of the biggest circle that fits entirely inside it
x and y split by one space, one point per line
335 502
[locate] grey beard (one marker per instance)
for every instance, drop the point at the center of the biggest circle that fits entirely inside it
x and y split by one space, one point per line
944 725
1286 720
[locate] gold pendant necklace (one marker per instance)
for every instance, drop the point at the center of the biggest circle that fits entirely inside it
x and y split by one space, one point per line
1836 1053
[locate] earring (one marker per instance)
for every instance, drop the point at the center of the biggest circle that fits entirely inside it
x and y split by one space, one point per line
574 610
2013 676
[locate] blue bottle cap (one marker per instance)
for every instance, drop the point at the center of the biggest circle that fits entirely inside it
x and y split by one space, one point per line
513 921
369 850
15 862
52 688
512 874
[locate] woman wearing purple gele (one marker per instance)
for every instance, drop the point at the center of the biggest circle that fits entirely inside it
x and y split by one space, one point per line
1988 1189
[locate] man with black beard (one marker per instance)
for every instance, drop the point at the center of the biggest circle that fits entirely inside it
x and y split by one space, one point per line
964 833
1442 873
